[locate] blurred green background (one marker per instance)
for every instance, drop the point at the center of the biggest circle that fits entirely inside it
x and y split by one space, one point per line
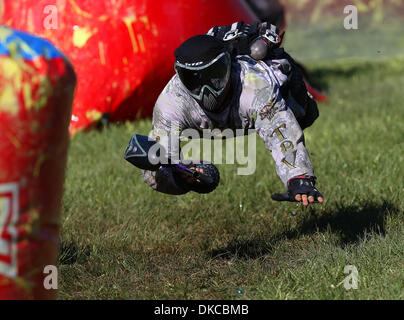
315 30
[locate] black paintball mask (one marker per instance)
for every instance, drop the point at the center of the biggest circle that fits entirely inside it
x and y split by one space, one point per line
203 66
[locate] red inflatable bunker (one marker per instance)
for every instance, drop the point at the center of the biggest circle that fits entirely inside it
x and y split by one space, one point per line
36 93
122 51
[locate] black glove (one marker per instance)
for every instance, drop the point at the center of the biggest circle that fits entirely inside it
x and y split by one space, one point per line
209 170
271 34
299 185
236 37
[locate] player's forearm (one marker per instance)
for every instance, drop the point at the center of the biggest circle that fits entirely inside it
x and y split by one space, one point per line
284 138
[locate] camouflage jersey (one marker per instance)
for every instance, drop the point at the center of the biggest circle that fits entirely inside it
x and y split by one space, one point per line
254 102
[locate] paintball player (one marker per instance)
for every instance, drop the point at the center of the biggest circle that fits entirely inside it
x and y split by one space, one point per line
238 77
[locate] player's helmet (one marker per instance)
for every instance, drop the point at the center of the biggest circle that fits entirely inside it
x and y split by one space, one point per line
203 65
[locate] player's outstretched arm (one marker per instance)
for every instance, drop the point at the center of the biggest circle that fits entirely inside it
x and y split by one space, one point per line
278 127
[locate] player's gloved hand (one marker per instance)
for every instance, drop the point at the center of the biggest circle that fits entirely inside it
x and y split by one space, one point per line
267 43
271 33
300 189
192 184
239 40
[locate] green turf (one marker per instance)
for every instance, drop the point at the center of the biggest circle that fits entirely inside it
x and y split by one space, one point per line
122 240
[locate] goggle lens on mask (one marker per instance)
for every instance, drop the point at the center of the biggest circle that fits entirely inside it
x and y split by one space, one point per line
214 75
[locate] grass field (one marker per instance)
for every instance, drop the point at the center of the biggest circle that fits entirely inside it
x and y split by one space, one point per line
122 240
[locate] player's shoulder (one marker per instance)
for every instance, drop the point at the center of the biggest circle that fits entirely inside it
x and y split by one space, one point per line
260 85
172 96
255 74
171 103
